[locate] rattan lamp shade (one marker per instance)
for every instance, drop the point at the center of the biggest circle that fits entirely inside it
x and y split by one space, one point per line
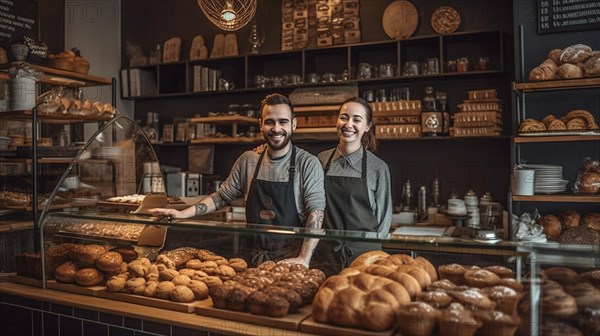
228 15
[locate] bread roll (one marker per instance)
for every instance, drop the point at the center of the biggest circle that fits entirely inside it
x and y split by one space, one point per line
88 277
554 55
87 254
181 294
591 67
109 262
592 220
568 71
569 219
66 272
541 73
589 183
551 226
368 258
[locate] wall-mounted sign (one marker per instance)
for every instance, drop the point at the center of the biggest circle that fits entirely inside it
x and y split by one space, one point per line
568 15
18 18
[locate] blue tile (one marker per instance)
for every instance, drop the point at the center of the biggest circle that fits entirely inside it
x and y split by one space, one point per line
132 323
85 314
50 326
94 329
116 331
61 309
69 326
157 328
116 320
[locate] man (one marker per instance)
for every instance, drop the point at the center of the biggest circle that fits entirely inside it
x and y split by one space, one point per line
282 186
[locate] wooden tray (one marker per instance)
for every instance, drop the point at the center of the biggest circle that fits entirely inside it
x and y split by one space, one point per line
156 303
288 322
309 325
74 288
23 280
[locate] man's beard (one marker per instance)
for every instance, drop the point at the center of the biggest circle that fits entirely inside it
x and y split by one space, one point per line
284 142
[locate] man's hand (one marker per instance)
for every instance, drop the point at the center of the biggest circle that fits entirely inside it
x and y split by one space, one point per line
166 212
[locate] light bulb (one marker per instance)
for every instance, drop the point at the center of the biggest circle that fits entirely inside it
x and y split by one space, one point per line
228 14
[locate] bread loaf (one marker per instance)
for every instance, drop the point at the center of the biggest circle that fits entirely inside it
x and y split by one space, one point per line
592 220
575 53
589 183
568 70
591 67
551 226
540 73
569 219
357 299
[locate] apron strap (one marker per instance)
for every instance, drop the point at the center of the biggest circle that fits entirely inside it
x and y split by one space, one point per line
345 252
260 256
291 169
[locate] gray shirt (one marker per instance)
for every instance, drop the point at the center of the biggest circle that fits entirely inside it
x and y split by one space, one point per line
308 179
378 181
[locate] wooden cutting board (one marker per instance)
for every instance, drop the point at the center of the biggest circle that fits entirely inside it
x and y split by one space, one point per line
288 322
218 46
74 288
400 19
309 325
156 303
231 45
172 50
198 51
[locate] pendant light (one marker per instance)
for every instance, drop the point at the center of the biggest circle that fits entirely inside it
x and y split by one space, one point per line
228 15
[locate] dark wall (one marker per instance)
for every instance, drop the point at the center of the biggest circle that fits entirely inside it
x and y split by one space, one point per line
462 164
51 16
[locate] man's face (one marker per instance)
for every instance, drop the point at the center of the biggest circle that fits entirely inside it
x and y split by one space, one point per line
277 125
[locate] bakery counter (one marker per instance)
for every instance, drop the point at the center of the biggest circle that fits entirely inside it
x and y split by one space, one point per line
27 310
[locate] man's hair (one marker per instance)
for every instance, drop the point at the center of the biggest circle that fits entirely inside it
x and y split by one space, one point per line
276 99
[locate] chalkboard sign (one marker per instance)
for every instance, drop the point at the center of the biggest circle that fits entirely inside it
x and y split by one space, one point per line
568 15
18 18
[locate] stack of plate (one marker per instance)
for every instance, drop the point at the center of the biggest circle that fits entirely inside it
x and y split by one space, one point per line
548 178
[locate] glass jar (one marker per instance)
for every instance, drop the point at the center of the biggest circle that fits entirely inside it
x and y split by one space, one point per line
451 66
484 61
386 70
364 71
462 65
411 69
433 66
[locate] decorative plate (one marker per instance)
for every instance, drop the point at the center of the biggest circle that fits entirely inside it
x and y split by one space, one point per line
445 20
400 19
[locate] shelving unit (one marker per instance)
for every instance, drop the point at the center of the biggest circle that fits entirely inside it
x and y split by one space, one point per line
233 121
55 77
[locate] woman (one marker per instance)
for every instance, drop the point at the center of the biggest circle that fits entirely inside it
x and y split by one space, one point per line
357 187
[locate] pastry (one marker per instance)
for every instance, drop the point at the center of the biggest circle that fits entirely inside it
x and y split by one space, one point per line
585 294
511 283
199 288
436 299
115 284
164 288
66 272
557 328
181 280
589 118
442 285
592 277
88 277
577 123
456 320
257 303
238 264
109 262
548 119
428 267
569 219
496 322
127 254
453 272
473 299
567 71
562 305
87 254
224 272
591 67
501 271
481 278
506 298
532 125
563 275
150 289
556 125
575 53
417 319
592 220
551 226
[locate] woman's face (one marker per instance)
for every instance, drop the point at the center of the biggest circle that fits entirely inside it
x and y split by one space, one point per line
352 123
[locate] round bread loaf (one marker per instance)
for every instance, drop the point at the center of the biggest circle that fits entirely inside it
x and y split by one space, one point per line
563 275
66 272
568 71
575 53
591 67
551 226
128 254
88 277
89 253
592 220
589 183
109 262
569 219
181 294
580 235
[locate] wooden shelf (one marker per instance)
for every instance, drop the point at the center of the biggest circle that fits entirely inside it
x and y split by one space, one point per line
316 109
225 120
556 138
216 141
64 78
51 119
558 198
566 84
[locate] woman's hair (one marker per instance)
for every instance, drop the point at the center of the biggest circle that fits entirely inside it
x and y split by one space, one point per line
276 99
368 139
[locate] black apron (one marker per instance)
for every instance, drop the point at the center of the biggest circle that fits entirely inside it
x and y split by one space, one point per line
348 208
271 203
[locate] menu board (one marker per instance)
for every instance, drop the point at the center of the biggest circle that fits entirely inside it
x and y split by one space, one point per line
568 15
18 18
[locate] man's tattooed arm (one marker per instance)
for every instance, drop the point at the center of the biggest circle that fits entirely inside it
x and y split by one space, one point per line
315 219
218 200
201 209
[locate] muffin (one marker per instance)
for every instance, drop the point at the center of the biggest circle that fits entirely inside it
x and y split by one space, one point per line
501 271
442 285
452 272
481 278
556 328
512 283
417 319
506 298
561 306
496 323
474 299
457 321
563 275
585 294
436 299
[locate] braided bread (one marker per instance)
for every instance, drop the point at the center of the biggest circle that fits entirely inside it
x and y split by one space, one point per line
357 299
